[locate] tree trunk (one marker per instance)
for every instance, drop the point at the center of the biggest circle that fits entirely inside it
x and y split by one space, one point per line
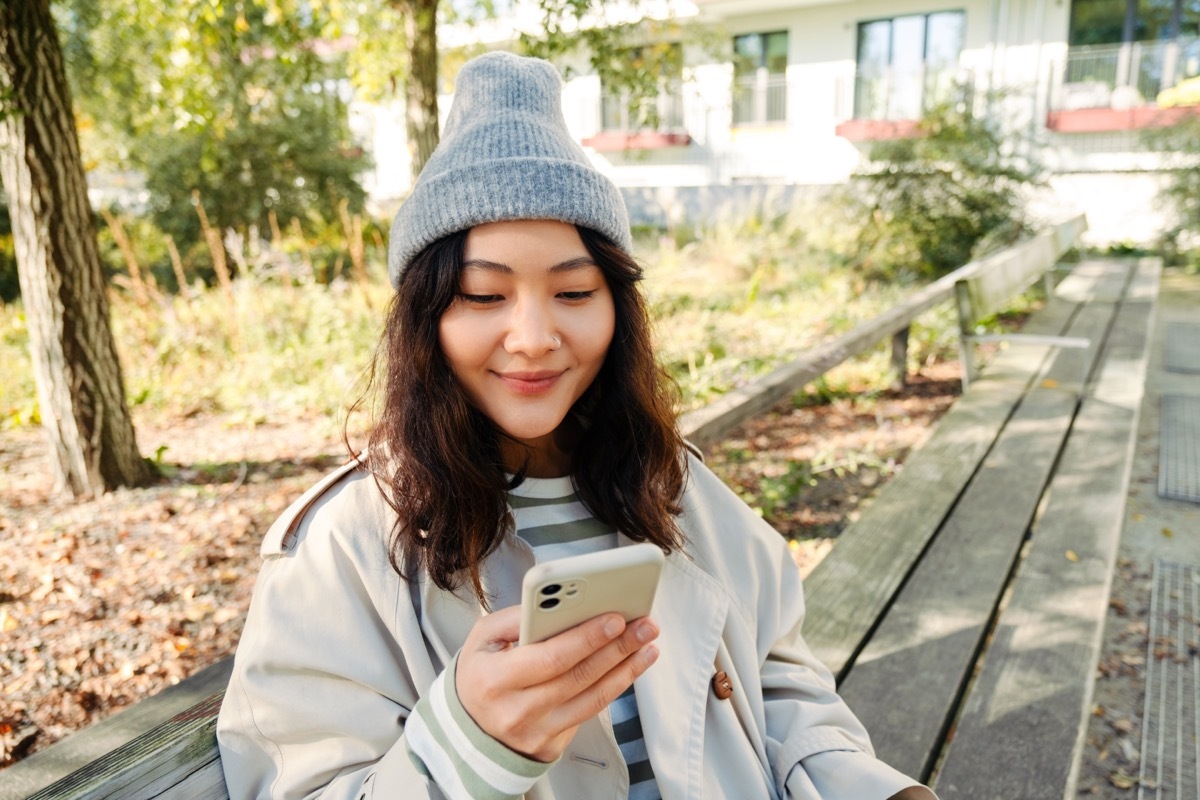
421 87
80 390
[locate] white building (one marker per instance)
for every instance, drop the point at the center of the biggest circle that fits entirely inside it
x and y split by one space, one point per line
800 88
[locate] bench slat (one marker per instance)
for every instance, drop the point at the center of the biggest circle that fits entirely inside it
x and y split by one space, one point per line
849 590
62 758
1030 702
173 759
908 680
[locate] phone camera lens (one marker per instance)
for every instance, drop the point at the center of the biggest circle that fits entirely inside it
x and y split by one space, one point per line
549 602
551 588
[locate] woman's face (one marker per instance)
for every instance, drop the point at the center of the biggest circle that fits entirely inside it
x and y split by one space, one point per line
528 332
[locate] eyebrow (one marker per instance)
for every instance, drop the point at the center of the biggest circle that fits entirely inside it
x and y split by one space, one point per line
580 262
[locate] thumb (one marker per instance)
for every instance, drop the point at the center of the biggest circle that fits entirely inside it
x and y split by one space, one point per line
499 630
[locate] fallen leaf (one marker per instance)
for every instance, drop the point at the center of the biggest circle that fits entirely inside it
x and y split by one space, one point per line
1072 555
1122 781
1168 532
1049 383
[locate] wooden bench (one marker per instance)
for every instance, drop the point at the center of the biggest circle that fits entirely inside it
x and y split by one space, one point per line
911 602
164 746
962 611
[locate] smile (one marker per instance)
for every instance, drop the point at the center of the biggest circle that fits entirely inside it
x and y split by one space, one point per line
529 382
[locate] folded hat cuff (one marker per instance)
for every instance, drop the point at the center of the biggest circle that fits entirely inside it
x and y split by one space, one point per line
500 190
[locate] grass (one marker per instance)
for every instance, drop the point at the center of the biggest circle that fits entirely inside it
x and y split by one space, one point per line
729 303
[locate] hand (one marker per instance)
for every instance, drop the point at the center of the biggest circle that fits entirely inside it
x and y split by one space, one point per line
533 698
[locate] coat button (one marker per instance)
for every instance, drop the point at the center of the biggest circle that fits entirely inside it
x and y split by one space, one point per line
721 685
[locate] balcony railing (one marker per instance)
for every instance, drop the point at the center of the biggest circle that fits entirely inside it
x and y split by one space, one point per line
906 95
759 98
1123 76
621 113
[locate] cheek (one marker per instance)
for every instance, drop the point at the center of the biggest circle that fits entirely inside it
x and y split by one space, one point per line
455 341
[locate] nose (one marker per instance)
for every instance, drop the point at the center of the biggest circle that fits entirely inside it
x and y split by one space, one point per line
530 330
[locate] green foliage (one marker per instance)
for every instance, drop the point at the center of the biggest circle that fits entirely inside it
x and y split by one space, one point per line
297 163
1180 146
633 59
928 204
243 102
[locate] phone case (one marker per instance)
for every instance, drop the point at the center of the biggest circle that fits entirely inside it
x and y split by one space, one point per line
560 594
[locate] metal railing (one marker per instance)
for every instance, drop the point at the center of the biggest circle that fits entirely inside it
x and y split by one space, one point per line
1123 75
759 98
623 112
906 94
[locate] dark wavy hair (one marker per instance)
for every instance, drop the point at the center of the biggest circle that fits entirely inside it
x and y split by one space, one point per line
437 458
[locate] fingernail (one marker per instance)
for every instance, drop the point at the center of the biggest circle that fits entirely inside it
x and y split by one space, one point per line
612 627
645 632
651 654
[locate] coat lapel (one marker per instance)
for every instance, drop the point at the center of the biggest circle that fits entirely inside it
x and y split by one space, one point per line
447 618
690 609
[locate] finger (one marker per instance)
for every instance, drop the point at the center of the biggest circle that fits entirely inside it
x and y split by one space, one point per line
595 667
547 661
498 630
603 692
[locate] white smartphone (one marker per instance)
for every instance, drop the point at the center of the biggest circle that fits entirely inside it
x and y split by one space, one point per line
560 594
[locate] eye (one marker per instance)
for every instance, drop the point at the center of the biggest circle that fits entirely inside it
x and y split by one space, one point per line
480 299
577 295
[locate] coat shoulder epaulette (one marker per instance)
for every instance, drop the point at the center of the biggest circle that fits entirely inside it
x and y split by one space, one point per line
281 537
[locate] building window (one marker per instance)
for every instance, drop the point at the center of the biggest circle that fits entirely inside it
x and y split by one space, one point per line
1126 53
1116 21
624 110
760 78
907 64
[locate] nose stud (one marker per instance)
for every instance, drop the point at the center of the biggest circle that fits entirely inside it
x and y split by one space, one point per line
557 342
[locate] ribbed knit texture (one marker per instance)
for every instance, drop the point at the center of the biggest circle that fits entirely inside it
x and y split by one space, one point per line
505 154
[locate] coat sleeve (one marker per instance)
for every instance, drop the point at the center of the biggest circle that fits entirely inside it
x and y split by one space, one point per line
334 693
816 745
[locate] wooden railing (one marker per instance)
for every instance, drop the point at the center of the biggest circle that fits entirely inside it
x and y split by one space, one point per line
710 424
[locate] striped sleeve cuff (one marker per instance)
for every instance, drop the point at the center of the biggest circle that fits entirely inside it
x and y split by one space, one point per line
464 761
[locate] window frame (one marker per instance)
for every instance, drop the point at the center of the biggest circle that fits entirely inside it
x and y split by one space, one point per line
759 95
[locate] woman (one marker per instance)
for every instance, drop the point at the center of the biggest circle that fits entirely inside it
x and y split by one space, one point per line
524 418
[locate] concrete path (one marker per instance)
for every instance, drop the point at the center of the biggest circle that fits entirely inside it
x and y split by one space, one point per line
1127 740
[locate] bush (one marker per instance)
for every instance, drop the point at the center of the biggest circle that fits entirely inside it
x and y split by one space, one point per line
1180 145
926 205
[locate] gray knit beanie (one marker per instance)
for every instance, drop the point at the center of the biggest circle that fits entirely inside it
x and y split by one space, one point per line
505 155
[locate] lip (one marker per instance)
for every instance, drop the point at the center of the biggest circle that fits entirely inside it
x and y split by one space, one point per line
530 382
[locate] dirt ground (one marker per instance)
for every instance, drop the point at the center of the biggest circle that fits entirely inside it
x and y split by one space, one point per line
107 601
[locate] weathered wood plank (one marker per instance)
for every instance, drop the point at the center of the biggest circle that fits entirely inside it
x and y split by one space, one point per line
849 590
62 758
906 684
991 290
1032 697
156 764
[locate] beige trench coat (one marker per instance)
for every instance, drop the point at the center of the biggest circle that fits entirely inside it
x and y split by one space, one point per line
337 650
